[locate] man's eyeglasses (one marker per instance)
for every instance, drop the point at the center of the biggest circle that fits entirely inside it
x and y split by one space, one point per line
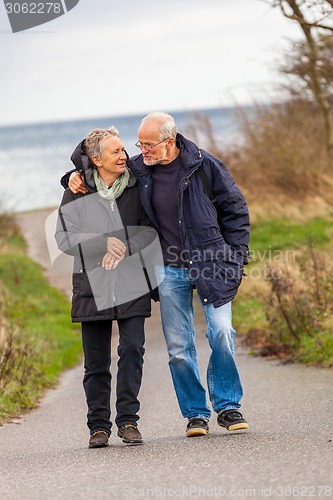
148 147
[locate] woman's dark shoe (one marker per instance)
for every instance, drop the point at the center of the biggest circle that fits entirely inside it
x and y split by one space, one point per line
99 439
232 420
130 434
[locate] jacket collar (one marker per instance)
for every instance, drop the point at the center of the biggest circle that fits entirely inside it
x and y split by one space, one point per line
189 152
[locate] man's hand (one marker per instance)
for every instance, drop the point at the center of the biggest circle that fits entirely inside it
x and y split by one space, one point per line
76 183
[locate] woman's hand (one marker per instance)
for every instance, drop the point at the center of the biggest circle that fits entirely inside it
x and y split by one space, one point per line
116 249
76 183
109 262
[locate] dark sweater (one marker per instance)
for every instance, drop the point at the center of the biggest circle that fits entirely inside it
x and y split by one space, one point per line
165 205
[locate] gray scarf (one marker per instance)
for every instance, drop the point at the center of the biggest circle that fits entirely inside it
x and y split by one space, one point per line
116 190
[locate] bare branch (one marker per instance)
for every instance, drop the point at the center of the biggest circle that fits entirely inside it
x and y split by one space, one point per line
297 15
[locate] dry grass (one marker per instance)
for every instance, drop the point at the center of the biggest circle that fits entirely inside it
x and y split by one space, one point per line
280 162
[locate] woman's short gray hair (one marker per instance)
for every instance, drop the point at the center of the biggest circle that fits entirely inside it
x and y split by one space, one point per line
167 124
93 142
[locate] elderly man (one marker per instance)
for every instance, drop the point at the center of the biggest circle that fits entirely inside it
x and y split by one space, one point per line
205 246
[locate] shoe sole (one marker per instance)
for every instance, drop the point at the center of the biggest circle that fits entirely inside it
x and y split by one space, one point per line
99 445
130 441
236 427
135 442
196 432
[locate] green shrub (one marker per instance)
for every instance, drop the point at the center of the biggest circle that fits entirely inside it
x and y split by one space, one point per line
37 339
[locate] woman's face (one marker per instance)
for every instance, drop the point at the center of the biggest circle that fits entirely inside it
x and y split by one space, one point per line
113 157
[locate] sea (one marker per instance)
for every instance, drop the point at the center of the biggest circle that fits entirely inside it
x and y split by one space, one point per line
34 157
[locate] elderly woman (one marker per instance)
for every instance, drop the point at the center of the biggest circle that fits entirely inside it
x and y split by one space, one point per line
104 230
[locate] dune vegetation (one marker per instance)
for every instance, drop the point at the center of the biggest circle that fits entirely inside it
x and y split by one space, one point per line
37 340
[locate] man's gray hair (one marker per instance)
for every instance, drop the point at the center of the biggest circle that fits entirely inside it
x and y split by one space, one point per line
94 139
167 124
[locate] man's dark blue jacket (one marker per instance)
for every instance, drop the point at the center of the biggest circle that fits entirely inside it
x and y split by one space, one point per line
216 248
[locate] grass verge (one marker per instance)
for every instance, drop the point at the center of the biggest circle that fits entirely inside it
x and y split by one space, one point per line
278 245
38 340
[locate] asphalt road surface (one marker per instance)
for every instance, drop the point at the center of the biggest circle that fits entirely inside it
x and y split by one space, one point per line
286 453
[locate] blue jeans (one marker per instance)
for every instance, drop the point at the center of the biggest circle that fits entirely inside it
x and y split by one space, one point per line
177 314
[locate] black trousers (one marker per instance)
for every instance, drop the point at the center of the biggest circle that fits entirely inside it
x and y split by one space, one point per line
96 342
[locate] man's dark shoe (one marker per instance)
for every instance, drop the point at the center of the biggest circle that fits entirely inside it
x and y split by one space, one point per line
130 434
197 427
99 439
232 420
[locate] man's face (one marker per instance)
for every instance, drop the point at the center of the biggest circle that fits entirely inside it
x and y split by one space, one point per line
154 151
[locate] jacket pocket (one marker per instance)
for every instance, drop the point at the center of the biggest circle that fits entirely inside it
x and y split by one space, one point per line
85 288
217 250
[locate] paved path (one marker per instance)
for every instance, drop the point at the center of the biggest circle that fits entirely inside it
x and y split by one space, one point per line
289 445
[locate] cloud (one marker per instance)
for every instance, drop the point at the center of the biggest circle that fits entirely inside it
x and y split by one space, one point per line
130 57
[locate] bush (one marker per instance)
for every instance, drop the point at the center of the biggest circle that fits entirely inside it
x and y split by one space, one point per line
299 310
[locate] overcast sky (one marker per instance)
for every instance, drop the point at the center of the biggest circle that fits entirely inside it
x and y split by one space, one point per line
108 58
